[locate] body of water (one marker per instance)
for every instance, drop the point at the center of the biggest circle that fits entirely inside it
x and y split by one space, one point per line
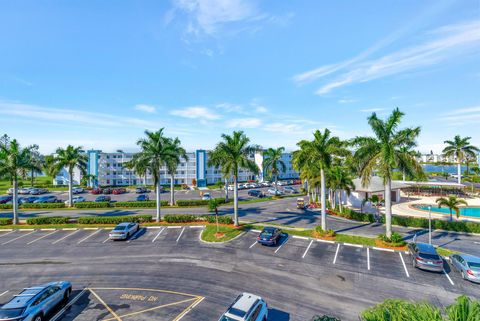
464 211
451 169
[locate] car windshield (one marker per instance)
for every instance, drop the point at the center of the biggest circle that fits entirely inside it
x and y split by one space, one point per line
120 228
10 313
267 232
225 318
474 266
236 312
429 256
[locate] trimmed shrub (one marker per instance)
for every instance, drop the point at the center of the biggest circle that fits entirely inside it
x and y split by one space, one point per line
394 309
5 221
324 318
395 240
180 218
222 219
114 219
42 205
139 204
321 233
6 206
220 200
92 204
47 220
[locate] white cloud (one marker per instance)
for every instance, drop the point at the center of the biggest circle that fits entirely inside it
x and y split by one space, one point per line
146 108
230 108
244 122
347 101
261 109
196 112
461 117
372 110
285 128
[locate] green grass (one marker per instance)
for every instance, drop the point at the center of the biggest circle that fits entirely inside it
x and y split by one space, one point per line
208 233
345 238
445 252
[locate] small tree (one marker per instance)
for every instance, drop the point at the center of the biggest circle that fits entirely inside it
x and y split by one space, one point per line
213 207
453 203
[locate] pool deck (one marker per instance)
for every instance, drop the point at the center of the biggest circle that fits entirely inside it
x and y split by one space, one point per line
404 208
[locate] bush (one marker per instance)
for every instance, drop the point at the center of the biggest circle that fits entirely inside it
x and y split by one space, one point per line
324 318
393 309
42 205
47 220
220 200
464 308
114 219
395 240
353 215
5 221
92 204
180 218
6 206
139 204
321 233
222 219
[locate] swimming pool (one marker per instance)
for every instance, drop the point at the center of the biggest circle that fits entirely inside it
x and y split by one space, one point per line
464 211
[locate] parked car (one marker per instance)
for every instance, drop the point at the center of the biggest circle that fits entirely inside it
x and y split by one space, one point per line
266 184
206 197
272 191
251 185
35 303
282 183
24 191
255 193
141 190
96 191
36 191
47 199
142 198
27 200
467 265
77 190
5 199
425 257
289 190
117 191
269 236
107 190
230 187
103 198
123 231
10 191
246 307
76 199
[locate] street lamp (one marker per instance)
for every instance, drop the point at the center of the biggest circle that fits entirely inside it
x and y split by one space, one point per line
430 224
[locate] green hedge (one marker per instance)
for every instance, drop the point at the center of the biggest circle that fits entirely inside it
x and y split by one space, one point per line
353 215
6 206
139 204
42 205
114 219
6 221
223 219
180 218
196 202
47 220
92 204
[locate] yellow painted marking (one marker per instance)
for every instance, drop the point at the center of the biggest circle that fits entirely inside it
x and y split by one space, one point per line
190 307
151 290
115 316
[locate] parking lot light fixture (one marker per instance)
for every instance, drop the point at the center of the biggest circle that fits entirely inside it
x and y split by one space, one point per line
430 224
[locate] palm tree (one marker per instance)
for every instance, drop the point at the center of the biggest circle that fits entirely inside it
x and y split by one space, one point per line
273 163
461 149
341 180
35 163
155 151
70 158
319 153
13 160
453 203
139 167
382 154
172 164
89 180
233 153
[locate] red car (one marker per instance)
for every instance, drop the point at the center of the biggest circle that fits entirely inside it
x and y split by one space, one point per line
96 191
117 191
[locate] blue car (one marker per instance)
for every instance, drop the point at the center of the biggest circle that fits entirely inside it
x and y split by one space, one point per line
27 200
35 303
47 199
142 198
269 236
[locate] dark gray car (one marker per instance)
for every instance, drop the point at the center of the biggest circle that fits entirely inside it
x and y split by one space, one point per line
425 257
467 265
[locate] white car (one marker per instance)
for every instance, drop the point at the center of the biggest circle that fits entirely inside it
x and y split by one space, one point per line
77 190
282 183
206 197
123 231
10 191
247 307
76 199
266 184
230 187
272 191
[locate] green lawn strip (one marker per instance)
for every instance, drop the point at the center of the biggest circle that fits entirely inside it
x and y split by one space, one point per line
230 232
354 239
74 225
445 252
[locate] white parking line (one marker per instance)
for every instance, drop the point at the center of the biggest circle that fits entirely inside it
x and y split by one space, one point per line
26 229
184 313
308 248
278 248
300 237
326 241
368 258
3 293
6 229
197 226
106 240
41 237
174 227
256 231
69 234
70 229
47 229
72 301
448 277
7 233
17 238
404 266
253 245
353 245
336 253
156 236
382 249
90 228
183 230
89 236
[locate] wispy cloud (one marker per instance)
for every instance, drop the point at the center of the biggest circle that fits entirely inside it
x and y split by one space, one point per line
228 107
243 122
146 108
347 101
196 112
461 116
372 110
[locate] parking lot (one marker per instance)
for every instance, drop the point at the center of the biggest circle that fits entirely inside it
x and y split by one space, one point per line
167 273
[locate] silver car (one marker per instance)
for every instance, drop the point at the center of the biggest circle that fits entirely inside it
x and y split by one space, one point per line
35 303
467 265
425 257
247 307
123 231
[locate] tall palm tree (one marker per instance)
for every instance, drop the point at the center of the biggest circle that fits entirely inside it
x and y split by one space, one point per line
172 164
453 203
341 180
382 154
69 158
35 163
319 153
232 154
273 163
155 151
461 149
13 160
139 167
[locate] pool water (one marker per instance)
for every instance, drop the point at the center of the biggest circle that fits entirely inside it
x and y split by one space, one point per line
464 211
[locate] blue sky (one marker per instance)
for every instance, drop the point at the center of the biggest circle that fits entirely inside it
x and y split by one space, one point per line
98 73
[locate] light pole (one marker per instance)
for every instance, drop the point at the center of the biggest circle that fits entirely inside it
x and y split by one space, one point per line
430 224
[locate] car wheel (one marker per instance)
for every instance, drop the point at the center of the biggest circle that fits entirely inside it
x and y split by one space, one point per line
414 263
38 318
66 296
463 275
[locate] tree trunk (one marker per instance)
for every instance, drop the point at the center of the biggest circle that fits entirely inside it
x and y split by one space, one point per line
70 188
340 201
15 201
172 190
451 215
32 178
158 198
276 183
404 176
323 200
235 201
226 190
459 173
388 208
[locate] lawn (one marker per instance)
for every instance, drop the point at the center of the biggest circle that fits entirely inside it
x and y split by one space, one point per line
228 233
41 181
